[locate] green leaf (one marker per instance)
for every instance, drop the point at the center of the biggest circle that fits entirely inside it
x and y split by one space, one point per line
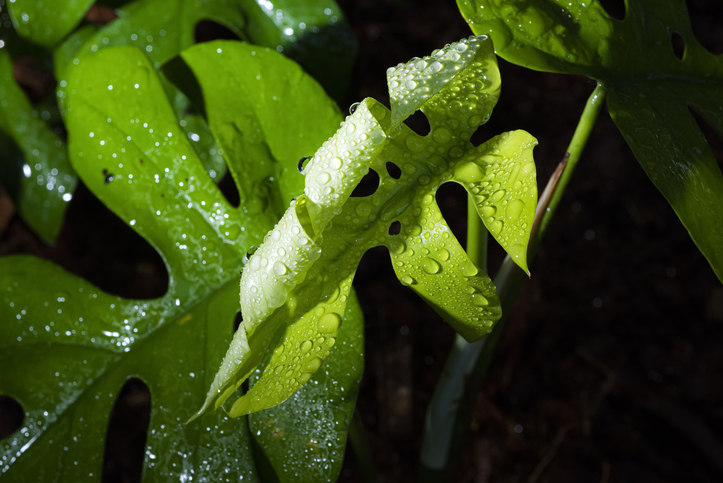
269 104
47 22
160 28
651 90
45 178
299 436
314 33
271 107
67 348
295 286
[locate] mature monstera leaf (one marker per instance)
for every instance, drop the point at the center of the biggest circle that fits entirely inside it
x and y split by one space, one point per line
43 182
295 287
651 89
67 348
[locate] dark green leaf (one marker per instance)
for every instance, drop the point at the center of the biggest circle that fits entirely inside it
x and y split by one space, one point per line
650 89
311 32
46 180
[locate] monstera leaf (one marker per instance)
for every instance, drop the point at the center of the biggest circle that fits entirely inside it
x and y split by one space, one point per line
67 348
651 89
43 183
296 286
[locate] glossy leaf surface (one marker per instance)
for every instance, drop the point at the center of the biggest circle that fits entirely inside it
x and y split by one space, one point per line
47 22
311 32
160 28
69 347
295 287
45 179
300 436
651 88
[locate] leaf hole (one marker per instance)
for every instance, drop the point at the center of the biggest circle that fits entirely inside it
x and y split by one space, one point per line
395 228
367 186
678 44
237 320
394 170
228 188
614 8
11 416
97 245
714 138
33 79
125 440
100 14
208 30
419 123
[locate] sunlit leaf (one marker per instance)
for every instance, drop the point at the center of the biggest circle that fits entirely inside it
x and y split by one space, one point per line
296 285
651 88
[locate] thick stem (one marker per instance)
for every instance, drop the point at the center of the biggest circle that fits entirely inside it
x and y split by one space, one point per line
451 405
441 414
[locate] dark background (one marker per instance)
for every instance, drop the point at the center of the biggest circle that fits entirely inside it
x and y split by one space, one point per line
610 367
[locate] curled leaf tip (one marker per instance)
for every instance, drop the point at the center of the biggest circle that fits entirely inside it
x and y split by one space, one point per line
295 287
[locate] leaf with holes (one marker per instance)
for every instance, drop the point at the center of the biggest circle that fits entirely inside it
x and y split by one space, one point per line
43 182
653 86
295 287
67 348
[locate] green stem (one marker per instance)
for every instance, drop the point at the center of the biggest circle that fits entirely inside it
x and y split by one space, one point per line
451 405
441 414
592 110
476 236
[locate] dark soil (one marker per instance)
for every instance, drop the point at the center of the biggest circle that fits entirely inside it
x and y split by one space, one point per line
610 368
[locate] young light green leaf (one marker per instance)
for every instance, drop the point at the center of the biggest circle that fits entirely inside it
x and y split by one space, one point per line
47 180
651 89
46 23
300 437
294 288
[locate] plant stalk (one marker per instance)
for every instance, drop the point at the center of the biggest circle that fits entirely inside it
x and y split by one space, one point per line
451 405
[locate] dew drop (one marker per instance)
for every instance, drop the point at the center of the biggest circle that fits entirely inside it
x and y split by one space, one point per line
406 280
323 178
479 300
488 210
431 266
329 323
279 268
441 135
